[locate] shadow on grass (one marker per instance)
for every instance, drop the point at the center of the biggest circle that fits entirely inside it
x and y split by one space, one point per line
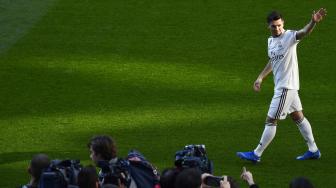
185 34
41 91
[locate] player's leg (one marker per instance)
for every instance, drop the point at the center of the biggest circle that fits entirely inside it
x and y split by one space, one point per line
278 107
267 136
278 110
305 129
307 133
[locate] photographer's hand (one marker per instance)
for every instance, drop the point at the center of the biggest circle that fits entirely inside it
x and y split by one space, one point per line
225 183
204 175
247 176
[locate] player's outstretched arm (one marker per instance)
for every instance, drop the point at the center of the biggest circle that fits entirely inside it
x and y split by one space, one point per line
316 17
262 75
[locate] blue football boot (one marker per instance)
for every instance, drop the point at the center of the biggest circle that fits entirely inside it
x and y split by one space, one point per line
310 155
250 156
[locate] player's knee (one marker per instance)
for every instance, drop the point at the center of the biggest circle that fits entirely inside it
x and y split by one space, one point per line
297 116
271 121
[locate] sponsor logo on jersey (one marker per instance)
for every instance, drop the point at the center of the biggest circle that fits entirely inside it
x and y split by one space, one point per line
276 57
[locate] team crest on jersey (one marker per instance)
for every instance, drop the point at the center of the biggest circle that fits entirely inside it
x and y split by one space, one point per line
278 46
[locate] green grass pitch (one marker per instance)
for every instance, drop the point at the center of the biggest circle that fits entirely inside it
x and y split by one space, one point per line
157 75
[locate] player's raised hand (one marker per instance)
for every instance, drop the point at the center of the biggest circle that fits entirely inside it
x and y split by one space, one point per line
319 15
257 85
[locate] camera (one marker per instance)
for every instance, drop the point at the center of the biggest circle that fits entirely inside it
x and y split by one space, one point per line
193 156
114 173
213 181
60 174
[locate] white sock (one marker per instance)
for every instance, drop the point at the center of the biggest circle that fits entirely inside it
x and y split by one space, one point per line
307 133
266 138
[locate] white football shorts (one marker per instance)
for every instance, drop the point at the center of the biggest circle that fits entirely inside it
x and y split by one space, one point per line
284 102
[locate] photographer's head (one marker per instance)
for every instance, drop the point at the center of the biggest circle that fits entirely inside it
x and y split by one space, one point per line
189 178
38 163
300 182
102 147
168 177
88 178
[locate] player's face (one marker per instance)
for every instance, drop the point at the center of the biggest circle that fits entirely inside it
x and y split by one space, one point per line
276 27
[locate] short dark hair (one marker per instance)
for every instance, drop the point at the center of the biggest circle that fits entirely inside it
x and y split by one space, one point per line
87 177
103 145
38 163
189 178
168 177
300 182
274 15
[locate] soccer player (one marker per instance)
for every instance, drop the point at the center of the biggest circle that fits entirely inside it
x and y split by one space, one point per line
283 62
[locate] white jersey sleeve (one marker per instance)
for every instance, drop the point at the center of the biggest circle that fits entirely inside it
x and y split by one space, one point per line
283 58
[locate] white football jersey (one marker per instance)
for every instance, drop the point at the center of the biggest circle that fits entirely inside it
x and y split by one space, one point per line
282 56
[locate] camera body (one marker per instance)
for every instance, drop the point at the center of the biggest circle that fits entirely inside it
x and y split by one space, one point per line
193 156
60 174
114 173
213 181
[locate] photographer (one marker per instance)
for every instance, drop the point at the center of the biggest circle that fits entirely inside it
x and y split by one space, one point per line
301 182
103 152
189 178
35 169
87 178
103 148
168 177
